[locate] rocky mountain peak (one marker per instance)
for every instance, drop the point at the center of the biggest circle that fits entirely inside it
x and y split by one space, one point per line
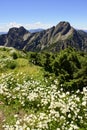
22 30
62 27
63 24
17 31
53 39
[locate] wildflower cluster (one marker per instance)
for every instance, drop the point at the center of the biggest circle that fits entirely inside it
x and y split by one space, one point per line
46 107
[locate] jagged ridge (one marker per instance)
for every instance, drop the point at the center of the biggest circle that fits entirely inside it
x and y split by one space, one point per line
53 39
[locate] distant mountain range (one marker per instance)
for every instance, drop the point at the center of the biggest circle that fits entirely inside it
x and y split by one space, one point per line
85 30
36 30
53 39
2 33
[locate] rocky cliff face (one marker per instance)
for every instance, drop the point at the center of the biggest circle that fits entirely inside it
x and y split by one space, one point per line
15 38
53 39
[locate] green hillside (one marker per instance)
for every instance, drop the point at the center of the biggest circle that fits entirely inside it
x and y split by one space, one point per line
14 61
43 91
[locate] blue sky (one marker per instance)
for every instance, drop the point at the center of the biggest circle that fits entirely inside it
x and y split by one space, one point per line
42 13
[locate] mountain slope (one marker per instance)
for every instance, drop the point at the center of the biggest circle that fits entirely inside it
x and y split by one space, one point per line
53 39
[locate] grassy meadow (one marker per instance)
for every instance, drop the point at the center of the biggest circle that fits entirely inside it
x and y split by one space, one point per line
43 91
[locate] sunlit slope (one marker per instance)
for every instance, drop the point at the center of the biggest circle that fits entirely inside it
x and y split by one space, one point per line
14 61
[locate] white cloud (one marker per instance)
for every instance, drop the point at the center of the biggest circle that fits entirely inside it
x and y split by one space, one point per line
14 24
4 27
37 25
80 27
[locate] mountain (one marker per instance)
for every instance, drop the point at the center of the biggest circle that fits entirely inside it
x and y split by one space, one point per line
2 33
53 39
16 38
85 30
35 30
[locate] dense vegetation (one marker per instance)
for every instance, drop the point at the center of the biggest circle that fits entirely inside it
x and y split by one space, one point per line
50 94
68 66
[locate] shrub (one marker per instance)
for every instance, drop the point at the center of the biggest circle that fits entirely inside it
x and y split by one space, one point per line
69 66
14 55
11 65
